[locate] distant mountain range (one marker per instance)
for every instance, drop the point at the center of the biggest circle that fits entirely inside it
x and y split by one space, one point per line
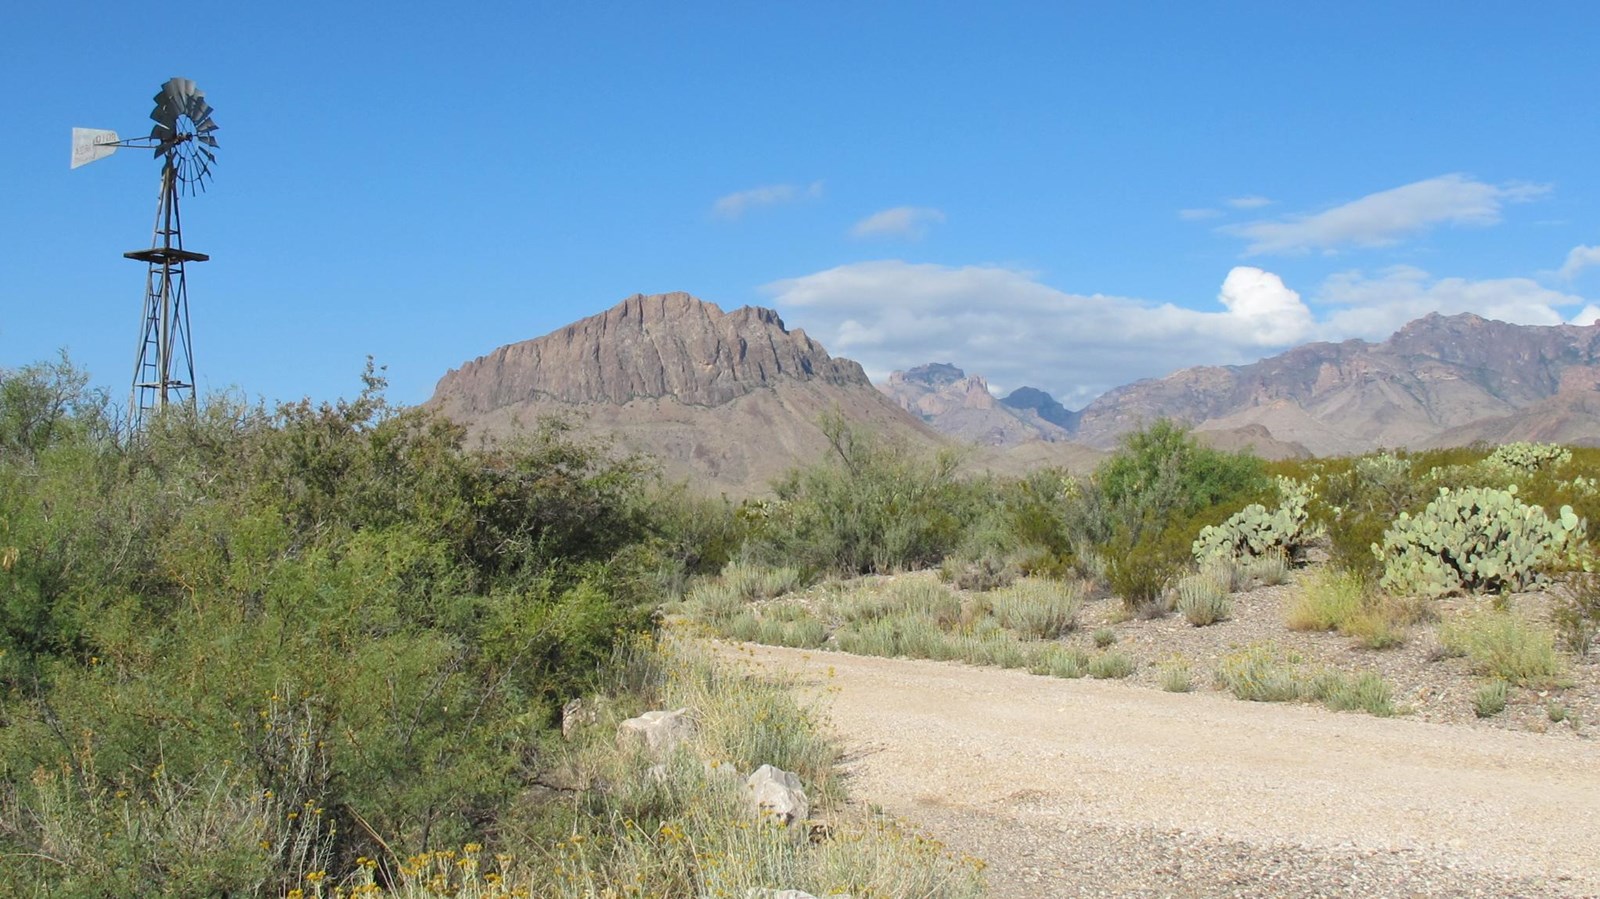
730 400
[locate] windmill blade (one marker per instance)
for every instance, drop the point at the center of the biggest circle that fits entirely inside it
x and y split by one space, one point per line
201 116
207 139
91 144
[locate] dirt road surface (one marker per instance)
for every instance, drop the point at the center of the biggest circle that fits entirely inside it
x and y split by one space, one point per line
1094 788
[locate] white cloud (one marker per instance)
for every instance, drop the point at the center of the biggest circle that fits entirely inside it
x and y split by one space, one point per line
1578 259
910 222
736 204
1259 300
1372 307
1196 215
1249 202
1385 217
1005 324
1586 316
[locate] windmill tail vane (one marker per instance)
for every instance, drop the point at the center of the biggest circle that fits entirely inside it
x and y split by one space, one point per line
184 138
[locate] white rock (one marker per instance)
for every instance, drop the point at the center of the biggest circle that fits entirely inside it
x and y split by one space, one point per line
658 733
778 793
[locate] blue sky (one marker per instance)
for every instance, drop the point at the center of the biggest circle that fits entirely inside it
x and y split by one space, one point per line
1062 195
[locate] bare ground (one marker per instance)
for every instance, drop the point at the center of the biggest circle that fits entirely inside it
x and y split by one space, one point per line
1092 788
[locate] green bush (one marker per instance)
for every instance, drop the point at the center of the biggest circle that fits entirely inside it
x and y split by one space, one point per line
337 604
872 506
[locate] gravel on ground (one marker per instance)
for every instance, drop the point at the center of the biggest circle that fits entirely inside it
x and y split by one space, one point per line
1096 788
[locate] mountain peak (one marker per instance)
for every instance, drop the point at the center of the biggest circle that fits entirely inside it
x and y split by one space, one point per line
649 346
932 374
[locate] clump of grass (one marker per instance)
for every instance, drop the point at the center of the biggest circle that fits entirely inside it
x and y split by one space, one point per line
1365 692
715 602
1260 673
906 634
1556 712
1269 570
1038 608
1257 674
1111 665
1327 601
1203 598
1104 637
742 625
1503 646
1339 600
1175 675
1056 660
981 574
1490 699
931 599
801 633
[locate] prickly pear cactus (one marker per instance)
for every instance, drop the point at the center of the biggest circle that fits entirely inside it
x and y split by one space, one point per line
1254 531
1527 458
1474 539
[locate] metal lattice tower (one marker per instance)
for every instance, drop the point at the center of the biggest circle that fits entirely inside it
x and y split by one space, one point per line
183 139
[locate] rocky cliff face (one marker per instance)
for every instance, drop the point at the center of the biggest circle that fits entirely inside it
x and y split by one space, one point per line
725 400
666 345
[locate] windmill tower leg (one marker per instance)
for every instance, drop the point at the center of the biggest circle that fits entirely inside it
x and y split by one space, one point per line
164 369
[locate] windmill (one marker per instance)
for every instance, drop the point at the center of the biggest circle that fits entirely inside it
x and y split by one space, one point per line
183 139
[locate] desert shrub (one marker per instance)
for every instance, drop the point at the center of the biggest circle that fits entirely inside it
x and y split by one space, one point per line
1476 539
1203 598
929 599
1163 472
1103 637
1175 675
900 634
1365 692
1327 601
1268 571
981 574
1041 609
1502 645
1359 499
1111 665
1141 569
871 506
1490 698
1058 660
1258 674
335 603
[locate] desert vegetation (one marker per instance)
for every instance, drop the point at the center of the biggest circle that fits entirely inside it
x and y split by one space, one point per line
1468 564
324 649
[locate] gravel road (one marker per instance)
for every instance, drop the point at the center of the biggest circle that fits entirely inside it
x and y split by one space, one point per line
1092 788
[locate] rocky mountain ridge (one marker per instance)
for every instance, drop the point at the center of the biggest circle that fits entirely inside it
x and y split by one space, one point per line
725 400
